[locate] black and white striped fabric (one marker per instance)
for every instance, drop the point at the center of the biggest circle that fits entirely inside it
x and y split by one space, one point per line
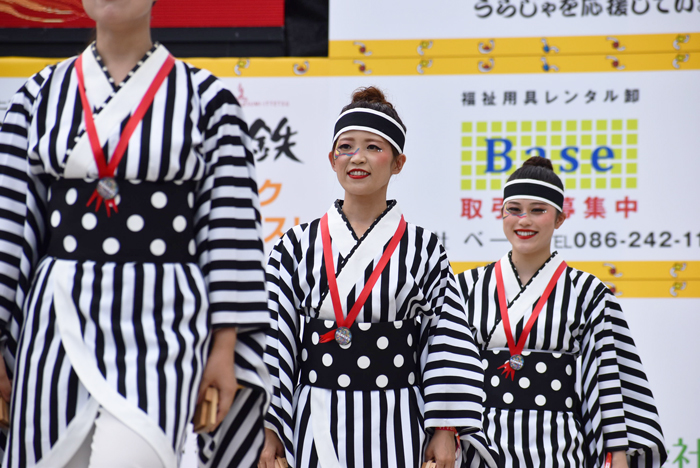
615 408
131 337
355 428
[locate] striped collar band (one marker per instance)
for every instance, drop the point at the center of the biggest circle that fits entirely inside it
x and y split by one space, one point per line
532 189
370 120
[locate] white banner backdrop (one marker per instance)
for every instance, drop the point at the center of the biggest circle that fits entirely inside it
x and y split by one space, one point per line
439 19
627 141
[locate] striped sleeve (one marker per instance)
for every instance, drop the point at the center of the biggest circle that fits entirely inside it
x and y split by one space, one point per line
283 338
22 204
227 220
452 372
450 360
618 407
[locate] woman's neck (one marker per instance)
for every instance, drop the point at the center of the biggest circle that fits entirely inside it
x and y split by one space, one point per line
121 50
527 264
362 211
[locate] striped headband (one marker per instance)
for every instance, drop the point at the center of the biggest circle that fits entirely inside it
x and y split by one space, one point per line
532 189
370 120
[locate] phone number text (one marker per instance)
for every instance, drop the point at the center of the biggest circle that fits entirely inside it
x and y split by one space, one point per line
634 240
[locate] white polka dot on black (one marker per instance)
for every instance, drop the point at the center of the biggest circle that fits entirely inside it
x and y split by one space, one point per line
507 398
398 360
382 342
312 376
524 382
110 246
327 360
411 378
157 247
55 218
71 196
134 223
540 400
541 367
364 326
192 247
89 221
304 354
70 244
382 381
495 381
363 362
159 200
315 338
190 199
556 385
179 223
344 380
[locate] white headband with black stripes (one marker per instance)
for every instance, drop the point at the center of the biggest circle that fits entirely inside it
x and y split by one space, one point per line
370 120
532 189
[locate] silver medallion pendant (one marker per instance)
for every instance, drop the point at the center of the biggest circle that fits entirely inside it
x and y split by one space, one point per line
516 362
107 188
343 336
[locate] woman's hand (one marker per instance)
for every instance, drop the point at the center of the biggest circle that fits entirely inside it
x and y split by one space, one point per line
5 383
619 460
272 449
441 448
219 372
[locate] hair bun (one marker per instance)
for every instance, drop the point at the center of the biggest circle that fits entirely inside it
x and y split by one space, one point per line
370 94
539 161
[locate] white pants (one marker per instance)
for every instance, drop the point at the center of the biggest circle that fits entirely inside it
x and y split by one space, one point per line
111 444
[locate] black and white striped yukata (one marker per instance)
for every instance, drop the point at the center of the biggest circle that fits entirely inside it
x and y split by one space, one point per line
343 422
116 311
550 415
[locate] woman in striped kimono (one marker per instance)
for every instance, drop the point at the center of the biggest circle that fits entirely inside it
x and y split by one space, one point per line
131 261
372 362
537 321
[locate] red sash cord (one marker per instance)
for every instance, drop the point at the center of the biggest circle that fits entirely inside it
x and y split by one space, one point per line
503 306
333 284
109 169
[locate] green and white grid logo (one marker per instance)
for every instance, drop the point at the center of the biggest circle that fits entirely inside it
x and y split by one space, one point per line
586 154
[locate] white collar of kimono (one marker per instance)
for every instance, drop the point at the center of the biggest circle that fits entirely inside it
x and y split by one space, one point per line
370 249
522 307
80 163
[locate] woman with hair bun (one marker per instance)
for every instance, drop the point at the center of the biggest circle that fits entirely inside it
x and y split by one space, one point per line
537 321
371 357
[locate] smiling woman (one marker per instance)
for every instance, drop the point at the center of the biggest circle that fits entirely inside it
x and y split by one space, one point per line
366 314
537 321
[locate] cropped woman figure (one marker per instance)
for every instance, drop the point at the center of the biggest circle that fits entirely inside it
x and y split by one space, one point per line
372 362
130 234
564 383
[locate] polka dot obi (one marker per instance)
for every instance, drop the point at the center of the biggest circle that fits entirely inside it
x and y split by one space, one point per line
381 356
547 381
153 224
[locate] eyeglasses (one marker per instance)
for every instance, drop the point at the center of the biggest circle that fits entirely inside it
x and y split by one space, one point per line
518 211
